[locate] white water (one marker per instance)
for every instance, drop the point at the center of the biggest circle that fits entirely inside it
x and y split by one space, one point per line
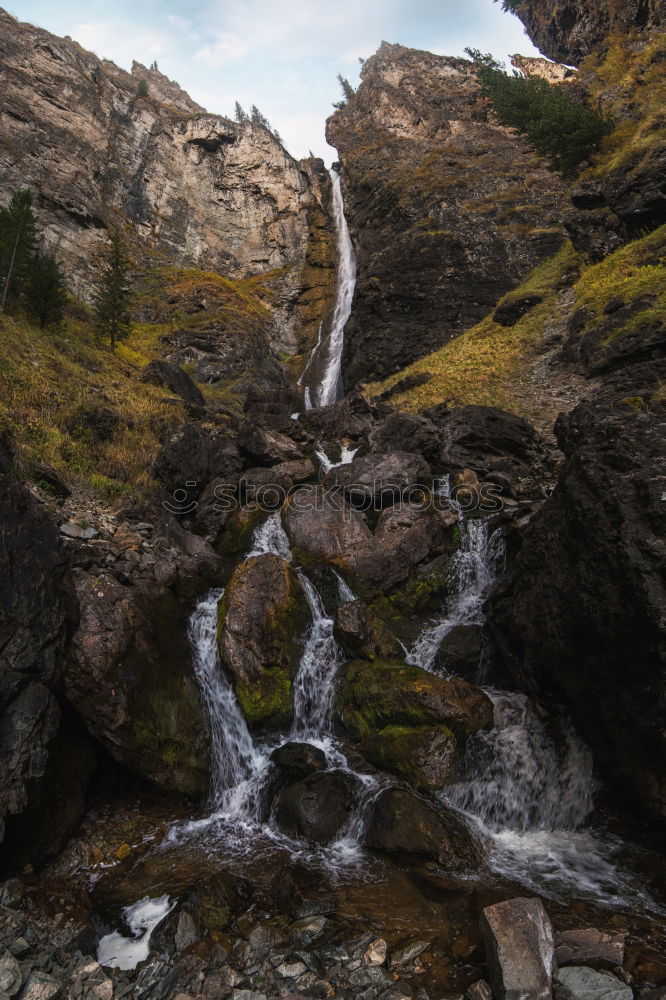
115 951
270 537
330 388
347 454
472 572
315 682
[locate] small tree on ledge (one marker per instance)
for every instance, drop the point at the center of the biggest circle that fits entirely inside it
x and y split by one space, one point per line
113 300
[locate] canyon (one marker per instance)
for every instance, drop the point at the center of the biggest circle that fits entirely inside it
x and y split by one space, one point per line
332 618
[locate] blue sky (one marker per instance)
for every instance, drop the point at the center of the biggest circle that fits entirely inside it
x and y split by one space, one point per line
283 57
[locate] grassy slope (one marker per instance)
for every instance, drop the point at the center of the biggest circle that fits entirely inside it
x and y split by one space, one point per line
486 363
47 377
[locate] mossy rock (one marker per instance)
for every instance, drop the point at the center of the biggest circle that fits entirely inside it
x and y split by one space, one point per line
372 696
267 702
261 619
422 755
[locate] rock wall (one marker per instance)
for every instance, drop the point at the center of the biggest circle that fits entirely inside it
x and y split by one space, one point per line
436 195
568 30
200 190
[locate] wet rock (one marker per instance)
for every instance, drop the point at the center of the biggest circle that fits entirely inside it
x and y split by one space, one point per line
460 651
479 991
361 633
159 372
376 952
317 808
299 760
404 823
519 949
585 595
372 696
581 983
590 946
186 932
425 756
409 952
376 481
130 677
261 618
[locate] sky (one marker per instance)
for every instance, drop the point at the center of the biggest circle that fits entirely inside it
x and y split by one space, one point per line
282 56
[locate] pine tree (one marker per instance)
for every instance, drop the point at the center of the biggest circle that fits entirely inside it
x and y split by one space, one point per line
257 118
347 90
142 88
239 114
554 123
113 300
18 241
46 295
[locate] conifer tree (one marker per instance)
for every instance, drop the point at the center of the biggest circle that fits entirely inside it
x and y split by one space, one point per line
142 88
18 241
113 299
347 91
239 114
46 295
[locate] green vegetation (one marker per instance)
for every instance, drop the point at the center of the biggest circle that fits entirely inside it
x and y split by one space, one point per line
142 88
239 114
257 118
30 278
347 90
554 123
510 6
113 298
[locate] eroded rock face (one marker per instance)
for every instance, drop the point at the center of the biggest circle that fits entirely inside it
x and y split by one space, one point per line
38 612
580 617
435 195
569 31
200 189
261 618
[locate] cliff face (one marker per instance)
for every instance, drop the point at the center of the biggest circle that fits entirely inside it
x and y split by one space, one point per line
568 30
199 189
436 194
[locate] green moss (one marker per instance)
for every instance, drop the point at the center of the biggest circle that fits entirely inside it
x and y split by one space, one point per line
405 751
267 702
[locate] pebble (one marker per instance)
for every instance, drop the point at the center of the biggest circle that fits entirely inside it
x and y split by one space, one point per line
291 970
375 953
409 952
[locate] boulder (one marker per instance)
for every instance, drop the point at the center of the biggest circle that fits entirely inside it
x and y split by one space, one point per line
50 479
460 652
297 761
317 809
407 432
481 437
513 308
362 634
375 481
130 677
194 455
321 525
425 756
261 619
158 372
591 946
374 695
581 983
403 823
519 949
579 617
266 445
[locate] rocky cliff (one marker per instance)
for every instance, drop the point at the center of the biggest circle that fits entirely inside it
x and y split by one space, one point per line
568 30
198 189
436 194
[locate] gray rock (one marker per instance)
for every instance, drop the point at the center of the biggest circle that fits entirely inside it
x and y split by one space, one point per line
577 982
72 530
479 990
519 947
186 932
10 975
409 952
291 970
39 986
589 946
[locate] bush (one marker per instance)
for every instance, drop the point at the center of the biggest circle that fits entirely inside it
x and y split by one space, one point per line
554 123
142 88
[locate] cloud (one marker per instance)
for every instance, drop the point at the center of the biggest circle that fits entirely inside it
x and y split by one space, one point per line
122 43
226 47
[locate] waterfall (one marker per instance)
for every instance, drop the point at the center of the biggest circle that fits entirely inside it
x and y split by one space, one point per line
233 756
270 537
326 355
315 681
347 453
472 572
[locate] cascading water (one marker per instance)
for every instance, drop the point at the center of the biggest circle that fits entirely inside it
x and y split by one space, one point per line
472 572
347 453
314 684
270 537
326 355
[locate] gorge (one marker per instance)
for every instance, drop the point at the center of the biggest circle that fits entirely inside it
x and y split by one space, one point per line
333 599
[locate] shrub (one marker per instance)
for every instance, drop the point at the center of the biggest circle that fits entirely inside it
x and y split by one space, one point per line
142 88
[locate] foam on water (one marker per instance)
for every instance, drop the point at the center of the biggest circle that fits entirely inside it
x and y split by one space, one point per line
115 951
